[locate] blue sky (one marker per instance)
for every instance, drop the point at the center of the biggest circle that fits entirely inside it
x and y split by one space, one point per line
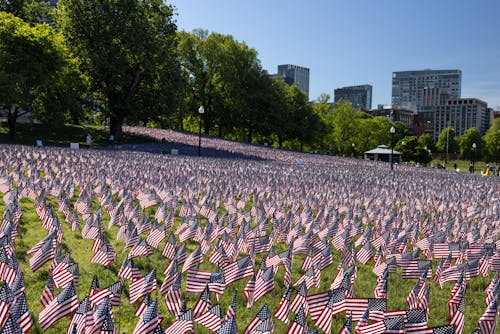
352 42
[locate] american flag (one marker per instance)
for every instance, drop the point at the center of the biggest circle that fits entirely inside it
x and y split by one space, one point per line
347 328
458 317
148 320
212 319
231 310
21 313
197 279
107 325
324 306
171 247
105 255
240 269
299 323
262 318
141 248
416 268
228 327
48 292
300 299
6 299
65 304
94 286
128 270
11 326
143 305
219 256
18 286
487 322
172 297
376 306
67 275
381 287
142 286
113 292
249 291
311 277
365 253
83 319
44 254
264 284
203 303
283 311
183 324
388 325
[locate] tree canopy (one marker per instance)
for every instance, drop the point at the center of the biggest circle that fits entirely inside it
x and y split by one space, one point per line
32 60
127 49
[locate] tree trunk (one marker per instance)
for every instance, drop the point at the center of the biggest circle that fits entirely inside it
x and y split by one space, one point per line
280 141
249 134
117 114
11 122
115 126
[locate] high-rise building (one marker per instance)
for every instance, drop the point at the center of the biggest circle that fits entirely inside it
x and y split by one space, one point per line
358 96
293 74
462 114
408 86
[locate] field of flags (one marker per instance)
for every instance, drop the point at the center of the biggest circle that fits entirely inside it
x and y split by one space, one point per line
115 241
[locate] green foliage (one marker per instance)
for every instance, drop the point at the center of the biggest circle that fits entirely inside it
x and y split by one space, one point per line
32 63
492 142
127 50
471 145
447 142
427 141
344 121
31 11
414 149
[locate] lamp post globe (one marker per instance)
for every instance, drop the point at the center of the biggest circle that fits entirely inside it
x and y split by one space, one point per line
201 111
473 155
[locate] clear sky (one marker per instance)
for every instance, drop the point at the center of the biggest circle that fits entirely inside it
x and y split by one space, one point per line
353 42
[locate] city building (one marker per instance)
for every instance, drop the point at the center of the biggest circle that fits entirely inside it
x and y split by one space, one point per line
462 114
426 109
397 114
358 96
408 86
293 74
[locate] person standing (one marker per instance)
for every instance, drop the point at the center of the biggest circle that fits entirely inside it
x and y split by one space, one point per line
88 140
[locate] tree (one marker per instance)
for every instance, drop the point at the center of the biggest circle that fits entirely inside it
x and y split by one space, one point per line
372 133
31 11
492 142
447 142
31 60
471 145
127 49
427 141
408 147
345 126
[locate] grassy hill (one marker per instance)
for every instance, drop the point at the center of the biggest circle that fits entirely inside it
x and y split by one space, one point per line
29 133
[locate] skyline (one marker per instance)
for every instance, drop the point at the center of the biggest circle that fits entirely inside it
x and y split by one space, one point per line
362 42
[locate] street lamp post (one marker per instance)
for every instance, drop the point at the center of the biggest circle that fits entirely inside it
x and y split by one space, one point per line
446 159
392 131
353 149
201 111
473 155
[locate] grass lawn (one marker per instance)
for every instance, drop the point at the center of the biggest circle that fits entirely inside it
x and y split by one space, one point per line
31 232
28 134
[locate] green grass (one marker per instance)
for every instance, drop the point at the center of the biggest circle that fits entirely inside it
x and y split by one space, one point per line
31 232
462 165
29 133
